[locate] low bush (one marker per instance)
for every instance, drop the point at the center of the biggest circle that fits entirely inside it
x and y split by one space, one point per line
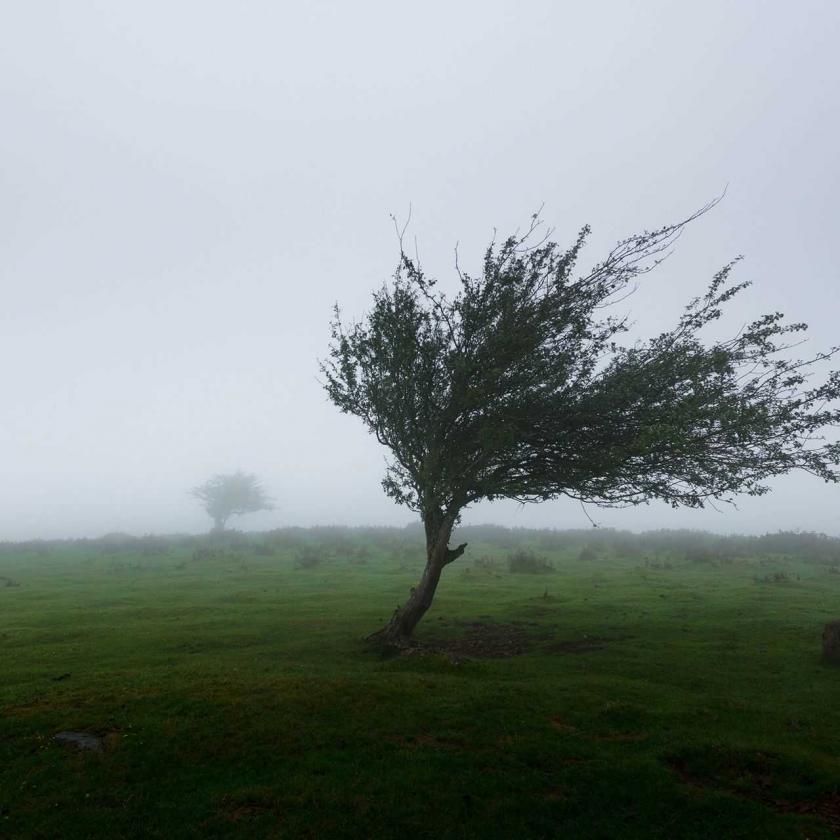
525 561
487 563
588 554
264 549
776 577
307 558
204 554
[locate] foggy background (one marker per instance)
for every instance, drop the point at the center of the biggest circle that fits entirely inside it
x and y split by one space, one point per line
186 188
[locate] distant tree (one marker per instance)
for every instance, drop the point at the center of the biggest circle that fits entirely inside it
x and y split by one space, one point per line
229 495
517 387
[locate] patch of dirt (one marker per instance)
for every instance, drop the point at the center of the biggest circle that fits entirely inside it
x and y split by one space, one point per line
492 640
488 640
826 809
757 776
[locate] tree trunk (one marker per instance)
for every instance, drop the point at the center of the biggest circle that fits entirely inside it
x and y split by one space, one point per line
399 629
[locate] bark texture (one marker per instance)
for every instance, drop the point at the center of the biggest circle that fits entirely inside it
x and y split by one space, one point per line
399 629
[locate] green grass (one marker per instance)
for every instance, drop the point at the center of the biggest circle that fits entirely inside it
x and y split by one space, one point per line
238 700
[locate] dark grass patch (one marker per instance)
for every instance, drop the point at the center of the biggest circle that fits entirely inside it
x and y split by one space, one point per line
770 778
250 804
585 645
426 740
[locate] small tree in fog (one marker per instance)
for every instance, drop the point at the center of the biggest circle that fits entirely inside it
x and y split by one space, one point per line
229 495
518 388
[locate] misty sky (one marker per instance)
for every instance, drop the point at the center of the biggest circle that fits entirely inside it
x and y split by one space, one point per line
186 188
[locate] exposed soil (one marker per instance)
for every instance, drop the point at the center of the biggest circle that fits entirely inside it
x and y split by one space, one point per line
827 809
756 776
491 640
486 640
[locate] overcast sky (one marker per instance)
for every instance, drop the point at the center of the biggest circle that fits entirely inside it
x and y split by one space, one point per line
186 188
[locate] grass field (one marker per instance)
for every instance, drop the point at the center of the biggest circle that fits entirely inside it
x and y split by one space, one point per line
650 696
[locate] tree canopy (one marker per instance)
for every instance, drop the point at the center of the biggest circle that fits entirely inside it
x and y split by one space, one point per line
518 386
233 494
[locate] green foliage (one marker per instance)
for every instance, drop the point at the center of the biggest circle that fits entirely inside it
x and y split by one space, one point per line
517 386
525 561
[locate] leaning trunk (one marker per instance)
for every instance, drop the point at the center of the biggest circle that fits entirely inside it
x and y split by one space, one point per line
399 629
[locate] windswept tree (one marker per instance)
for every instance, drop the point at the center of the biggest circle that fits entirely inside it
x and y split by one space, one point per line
517 387
234 494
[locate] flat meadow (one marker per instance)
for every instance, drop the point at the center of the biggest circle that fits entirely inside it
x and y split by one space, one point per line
573 684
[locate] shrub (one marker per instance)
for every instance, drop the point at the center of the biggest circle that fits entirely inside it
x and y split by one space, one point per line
700 554
588 554
776 577
204 553
488 564
307 558
152 546
115 542
656 565
524 561
264 549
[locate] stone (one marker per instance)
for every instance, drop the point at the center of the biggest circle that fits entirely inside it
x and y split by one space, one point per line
831 642
80 740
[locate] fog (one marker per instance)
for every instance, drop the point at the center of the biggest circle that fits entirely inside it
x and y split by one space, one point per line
187 188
